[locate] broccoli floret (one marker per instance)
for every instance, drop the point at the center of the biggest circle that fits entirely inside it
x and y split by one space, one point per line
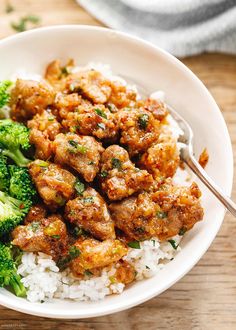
12 212
14 137
4 174
4 93
8 272
21 185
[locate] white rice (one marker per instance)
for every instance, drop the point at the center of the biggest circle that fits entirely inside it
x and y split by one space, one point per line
40 274
43 281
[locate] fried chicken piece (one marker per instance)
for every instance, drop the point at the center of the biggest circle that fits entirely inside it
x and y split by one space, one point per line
121 96
162 158
139 129
43 129
163 214
89 211
46 123
56 74
125 272
47 235
29 97
36 213
66 104
91 84
119 177
156 107
82 153
90 119
55 185
95 255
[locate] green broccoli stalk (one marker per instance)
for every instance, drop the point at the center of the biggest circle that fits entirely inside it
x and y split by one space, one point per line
14 137
12 212
21 185
8 272
4 174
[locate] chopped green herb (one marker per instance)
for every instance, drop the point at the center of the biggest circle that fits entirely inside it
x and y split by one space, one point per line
101 125
134 245
78 147
91 163
161 215
42 163
22 24
34 226
72 87
88 199
143 121
182 231
103 174
42 301
74 252
116 163
139 230
51 118
87 272
147 267
153 242
56 236
65 71
4 94
112 279
173 244
79 187
101 113
171 259
9 8
78 231
112 107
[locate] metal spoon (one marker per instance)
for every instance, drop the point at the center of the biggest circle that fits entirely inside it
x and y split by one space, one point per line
186 155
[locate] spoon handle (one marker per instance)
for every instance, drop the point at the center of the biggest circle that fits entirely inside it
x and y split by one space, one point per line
189 159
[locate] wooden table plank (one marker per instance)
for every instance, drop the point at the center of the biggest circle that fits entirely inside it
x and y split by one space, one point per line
206 297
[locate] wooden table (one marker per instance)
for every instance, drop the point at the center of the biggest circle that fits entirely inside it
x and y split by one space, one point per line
206 297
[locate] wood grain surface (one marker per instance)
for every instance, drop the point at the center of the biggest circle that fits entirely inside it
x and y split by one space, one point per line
206 297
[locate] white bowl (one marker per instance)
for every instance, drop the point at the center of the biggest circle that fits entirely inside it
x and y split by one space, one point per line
155 69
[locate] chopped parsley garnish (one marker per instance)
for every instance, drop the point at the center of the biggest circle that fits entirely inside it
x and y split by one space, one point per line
79 187
22 24
87 272
182 231
173 244
34 226
56 236
147 267
77 147
134 245
101 125
42 163
112 107
74 252
78 231
153 242
51 118
103 174
9 8
116 163
65 70
161 215
139 230
100 112
143 121
88 199
4 94
91 163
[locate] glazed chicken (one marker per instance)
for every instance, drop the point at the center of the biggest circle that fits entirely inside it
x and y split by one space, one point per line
89 211
82 153
103 164
119 177
95 254
43 129
163 214
162 158
30 97
139 129
47 235
55 185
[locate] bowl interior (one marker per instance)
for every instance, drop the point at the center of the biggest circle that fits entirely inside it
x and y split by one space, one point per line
155 70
